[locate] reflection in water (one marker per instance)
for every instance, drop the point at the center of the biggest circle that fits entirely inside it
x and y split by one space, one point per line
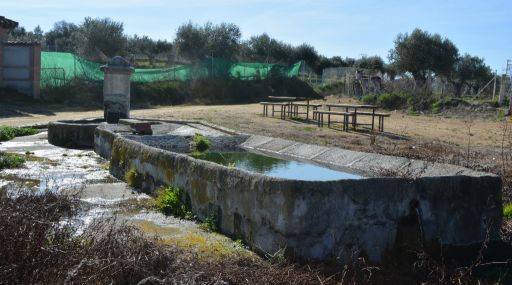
276 167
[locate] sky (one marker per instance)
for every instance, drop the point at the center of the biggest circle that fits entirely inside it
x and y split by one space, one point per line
346 28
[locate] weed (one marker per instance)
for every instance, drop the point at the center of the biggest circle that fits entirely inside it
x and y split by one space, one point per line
196 154
501 114
411 112
131 177
278 258
169 200
240 242
231 164
8 133
10 160
436 107
308 129
201 143
507 211
210 224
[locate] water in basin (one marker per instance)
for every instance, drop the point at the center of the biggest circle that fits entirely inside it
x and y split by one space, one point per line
276 167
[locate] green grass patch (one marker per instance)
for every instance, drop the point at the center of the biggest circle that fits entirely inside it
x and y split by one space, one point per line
8 133
11 160
507 211
169 201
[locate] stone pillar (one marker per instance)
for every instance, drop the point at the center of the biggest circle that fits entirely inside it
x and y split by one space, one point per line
116 89
36 70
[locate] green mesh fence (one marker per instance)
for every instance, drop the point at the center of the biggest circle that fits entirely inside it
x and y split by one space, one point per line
59 67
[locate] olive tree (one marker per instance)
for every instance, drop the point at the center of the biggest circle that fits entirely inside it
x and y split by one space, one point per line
423 54
370 62
60 38
196 42
148 47
469 71
95 37
264 48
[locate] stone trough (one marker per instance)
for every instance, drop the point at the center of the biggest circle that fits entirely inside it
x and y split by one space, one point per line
73 133
310 219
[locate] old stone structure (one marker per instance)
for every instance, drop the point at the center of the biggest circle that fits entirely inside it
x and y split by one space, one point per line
20 62
116 89
444 204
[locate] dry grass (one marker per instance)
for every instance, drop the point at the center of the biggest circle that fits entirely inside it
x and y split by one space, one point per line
40 245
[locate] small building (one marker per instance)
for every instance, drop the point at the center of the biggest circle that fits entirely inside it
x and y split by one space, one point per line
20 62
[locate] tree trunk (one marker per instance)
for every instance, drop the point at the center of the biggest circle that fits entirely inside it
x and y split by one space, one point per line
458 89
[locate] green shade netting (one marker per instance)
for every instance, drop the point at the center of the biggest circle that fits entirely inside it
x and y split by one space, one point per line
60 67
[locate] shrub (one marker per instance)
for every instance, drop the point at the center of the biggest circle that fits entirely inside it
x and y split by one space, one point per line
161 93
331 87
201 144
507 211
8 133
391 100
77 91
370 99
10 160
169 200
420 101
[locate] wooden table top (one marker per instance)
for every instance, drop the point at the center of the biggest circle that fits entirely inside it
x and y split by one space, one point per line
353 106
288 98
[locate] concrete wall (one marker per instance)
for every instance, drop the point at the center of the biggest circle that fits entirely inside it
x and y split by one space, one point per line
20 67
318 220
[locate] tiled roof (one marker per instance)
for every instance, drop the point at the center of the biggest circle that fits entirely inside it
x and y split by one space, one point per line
7 23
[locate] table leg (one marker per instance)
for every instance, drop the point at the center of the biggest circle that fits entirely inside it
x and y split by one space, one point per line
373 118
307 110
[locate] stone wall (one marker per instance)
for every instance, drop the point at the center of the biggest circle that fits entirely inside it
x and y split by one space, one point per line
319 220
73 133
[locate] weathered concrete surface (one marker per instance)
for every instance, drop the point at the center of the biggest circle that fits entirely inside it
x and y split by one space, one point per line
320 220
74 134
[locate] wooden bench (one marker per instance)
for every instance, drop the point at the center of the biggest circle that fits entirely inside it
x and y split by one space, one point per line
380 116
319 115
296 105
282 109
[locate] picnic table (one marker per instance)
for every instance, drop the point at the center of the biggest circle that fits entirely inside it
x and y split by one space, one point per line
287 105
354 110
